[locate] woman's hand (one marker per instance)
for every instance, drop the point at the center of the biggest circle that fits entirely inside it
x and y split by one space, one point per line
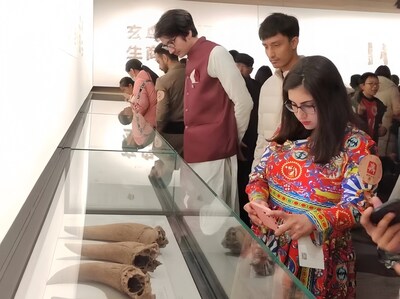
386 237
252 213
135 107
295 225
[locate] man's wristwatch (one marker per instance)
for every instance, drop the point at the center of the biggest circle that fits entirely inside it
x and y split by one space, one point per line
387 258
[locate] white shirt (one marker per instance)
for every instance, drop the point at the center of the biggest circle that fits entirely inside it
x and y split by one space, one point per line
269 112
222 66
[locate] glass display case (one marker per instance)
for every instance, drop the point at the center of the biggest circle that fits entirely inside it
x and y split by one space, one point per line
113 199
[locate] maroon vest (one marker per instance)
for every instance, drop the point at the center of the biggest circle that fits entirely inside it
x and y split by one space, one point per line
210 124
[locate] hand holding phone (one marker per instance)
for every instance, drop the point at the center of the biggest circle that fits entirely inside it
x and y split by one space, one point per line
392 206
262 213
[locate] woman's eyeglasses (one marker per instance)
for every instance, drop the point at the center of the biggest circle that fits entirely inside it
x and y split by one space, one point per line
306 108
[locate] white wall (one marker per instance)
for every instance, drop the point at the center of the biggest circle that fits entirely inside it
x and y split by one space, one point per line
46 60
342 36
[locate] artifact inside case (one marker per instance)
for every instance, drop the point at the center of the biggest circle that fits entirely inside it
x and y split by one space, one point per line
140 223
130 251
119 259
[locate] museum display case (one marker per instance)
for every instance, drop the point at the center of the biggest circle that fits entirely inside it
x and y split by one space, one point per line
112 200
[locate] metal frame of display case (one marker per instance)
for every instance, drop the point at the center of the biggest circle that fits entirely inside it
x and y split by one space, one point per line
17 246
206 280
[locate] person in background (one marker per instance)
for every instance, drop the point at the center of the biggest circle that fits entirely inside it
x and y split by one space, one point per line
169 90
389 95
354 91
126 86
396 120
370 108
386 236
395 79
133 67
262 74
183 61
309 178
279 34
245 62
217 104
234 53
169 114
143 100
125 117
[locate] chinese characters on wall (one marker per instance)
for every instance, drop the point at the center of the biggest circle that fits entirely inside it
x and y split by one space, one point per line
141 42
383 57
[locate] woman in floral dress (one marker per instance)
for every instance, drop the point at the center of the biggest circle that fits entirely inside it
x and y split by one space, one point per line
309 178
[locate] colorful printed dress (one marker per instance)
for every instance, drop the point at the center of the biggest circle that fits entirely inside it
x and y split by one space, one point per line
330 195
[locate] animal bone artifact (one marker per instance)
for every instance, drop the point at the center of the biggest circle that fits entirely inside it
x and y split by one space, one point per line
261 262
142 256
234 239
125 278
122 232
240 243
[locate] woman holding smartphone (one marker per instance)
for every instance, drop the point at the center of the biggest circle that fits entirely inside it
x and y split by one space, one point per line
309 178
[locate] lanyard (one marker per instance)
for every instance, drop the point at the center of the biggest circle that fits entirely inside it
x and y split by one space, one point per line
140 90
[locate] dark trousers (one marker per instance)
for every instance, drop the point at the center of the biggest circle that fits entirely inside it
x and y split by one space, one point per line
244 169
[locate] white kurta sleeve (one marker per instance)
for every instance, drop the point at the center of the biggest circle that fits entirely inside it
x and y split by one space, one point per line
222 66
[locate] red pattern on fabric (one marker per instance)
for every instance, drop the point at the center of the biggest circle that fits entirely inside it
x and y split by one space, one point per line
330 195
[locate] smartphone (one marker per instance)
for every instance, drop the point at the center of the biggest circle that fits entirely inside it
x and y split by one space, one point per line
389 206
262 211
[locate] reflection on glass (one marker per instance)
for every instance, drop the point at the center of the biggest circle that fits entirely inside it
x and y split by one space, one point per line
152 192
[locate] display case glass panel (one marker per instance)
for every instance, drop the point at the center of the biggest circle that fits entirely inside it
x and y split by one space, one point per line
104 131
107 195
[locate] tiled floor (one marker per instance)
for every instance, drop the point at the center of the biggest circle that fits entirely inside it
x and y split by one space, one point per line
372 286
373 279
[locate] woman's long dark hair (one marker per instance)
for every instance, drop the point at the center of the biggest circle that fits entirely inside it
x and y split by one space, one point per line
322 80
135 64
